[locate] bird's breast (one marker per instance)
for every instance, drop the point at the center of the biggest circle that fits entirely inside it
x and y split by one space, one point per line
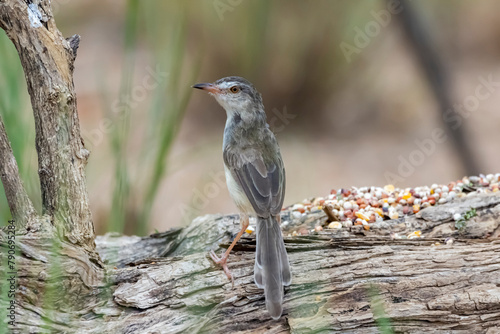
237 194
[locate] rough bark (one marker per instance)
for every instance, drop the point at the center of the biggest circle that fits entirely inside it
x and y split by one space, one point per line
21 207
166 283
47 59
425 287
58 269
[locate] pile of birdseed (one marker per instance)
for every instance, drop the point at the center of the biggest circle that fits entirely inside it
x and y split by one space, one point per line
366 205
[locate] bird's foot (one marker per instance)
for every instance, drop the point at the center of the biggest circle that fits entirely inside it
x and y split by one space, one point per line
222 261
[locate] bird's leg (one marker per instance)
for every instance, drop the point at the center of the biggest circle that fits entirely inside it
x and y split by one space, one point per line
223 259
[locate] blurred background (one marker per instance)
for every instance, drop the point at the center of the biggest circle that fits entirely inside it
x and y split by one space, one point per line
355 92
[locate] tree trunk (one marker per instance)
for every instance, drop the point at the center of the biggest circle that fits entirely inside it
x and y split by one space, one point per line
47 59
20 205
58 267
347 280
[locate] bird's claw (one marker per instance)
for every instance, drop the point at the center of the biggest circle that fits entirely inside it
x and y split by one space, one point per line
222 261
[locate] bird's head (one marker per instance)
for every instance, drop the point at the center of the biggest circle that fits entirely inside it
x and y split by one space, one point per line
235 94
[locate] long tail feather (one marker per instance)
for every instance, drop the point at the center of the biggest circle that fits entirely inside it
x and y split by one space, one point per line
272 269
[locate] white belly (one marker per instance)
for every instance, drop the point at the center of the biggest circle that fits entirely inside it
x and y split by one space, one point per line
237 194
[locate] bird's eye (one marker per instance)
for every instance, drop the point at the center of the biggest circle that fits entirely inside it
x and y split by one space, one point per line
234 89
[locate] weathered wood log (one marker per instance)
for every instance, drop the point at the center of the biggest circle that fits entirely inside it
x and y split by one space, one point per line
425 287
166 283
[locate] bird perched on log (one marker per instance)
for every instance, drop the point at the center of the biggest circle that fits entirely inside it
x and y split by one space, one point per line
255 178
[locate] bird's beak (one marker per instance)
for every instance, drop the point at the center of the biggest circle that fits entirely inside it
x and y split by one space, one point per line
211 88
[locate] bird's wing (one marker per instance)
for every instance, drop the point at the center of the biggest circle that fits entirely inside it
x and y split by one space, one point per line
262 182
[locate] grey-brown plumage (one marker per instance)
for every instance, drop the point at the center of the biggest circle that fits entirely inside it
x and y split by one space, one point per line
255 177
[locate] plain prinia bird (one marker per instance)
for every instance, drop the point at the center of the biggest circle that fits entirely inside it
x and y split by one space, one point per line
255 178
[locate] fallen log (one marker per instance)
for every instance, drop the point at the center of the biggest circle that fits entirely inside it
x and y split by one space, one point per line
343 281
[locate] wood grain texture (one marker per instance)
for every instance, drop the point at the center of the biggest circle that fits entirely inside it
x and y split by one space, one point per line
47 59
424 287
21 206
421 286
